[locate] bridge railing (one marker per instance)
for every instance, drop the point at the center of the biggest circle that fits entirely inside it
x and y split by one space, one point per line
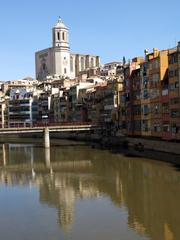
41 124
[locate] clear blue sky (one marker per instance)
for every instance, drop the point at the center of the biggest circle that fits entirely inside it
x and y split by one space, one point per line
111 29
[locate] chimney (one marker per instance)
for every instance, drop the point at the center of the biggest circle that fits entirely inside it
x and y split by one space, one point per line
146 53
178 46
155 52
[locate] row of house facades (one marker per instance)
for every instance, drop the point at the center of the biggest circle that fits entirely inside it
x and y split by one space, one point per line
151 106
140 98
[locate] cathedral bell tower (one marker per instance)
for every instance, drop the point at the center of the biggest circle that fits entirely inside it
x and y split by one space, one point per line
60 35
61 49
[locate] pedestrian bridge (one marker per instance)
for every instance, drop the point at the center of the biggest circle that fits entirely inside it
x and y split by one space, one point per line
47 129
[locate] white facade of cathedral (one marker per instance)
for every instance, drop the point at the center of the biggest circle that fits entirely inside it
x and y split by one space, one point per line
59 61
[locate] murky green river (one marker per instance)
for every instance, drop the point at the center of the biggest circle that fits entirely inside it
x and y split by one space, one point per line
73 191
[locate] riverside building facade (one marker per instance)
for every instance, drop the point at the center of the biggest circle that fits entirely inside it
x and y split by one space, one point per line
20 108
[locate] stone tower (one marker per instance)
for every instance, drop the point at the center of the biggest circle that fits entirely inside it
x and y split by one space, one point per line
61 49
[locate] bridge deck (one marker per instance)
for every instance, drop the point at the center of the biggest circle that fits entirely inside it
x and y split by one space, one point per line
60 128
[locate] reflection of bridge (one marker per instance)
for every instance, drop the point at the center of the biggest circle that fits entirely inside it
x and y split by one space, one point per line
47 129
60 182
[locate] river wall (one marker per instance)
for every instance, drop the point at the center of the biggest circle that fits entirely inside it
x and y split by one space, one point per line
139 144
156 149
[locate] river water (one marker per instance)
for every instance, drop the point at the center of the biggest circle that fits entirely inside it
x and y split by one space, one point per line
74 191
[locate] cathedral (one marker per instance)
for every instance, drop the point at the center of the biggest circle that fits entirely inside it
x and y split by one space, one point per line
58 60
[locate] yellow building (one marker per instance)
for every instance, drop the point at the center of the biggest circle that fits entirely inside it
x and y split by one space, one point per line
153 71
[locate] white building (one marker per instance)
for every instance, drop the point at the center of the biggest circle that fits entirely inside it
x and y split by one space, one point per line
58 60
20 112
110 69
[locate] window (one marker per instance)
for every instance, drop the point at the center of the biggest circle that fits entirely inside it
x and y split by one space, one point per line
156 108
175 113
174 100
173 58
156 128
82 63
175 128
155 78
176 73
136 95
155 64
137 109
166 128
127 97
63 36
144 69
171 73
137 125
145 81
44 66
165 108
146 109
165 92
145 126
92 62
154 93
170 60
145 94
65 71
58 36
176 84
71 64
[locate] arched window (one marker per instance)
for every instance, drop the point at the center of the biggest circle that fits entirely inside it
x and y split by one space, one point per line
58 36
92 62
44 66
63 35
71 64
82 63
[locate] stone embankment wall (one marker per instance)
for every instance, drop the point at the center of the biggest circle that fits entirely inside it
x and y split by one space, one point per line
155 145
139 144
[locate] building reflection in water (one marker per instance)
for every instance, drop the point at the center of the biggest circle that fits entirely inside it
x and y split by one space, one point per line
149 190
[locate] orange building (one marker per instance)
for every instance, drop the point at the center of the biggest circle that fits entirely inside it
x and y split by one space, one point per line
174 92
